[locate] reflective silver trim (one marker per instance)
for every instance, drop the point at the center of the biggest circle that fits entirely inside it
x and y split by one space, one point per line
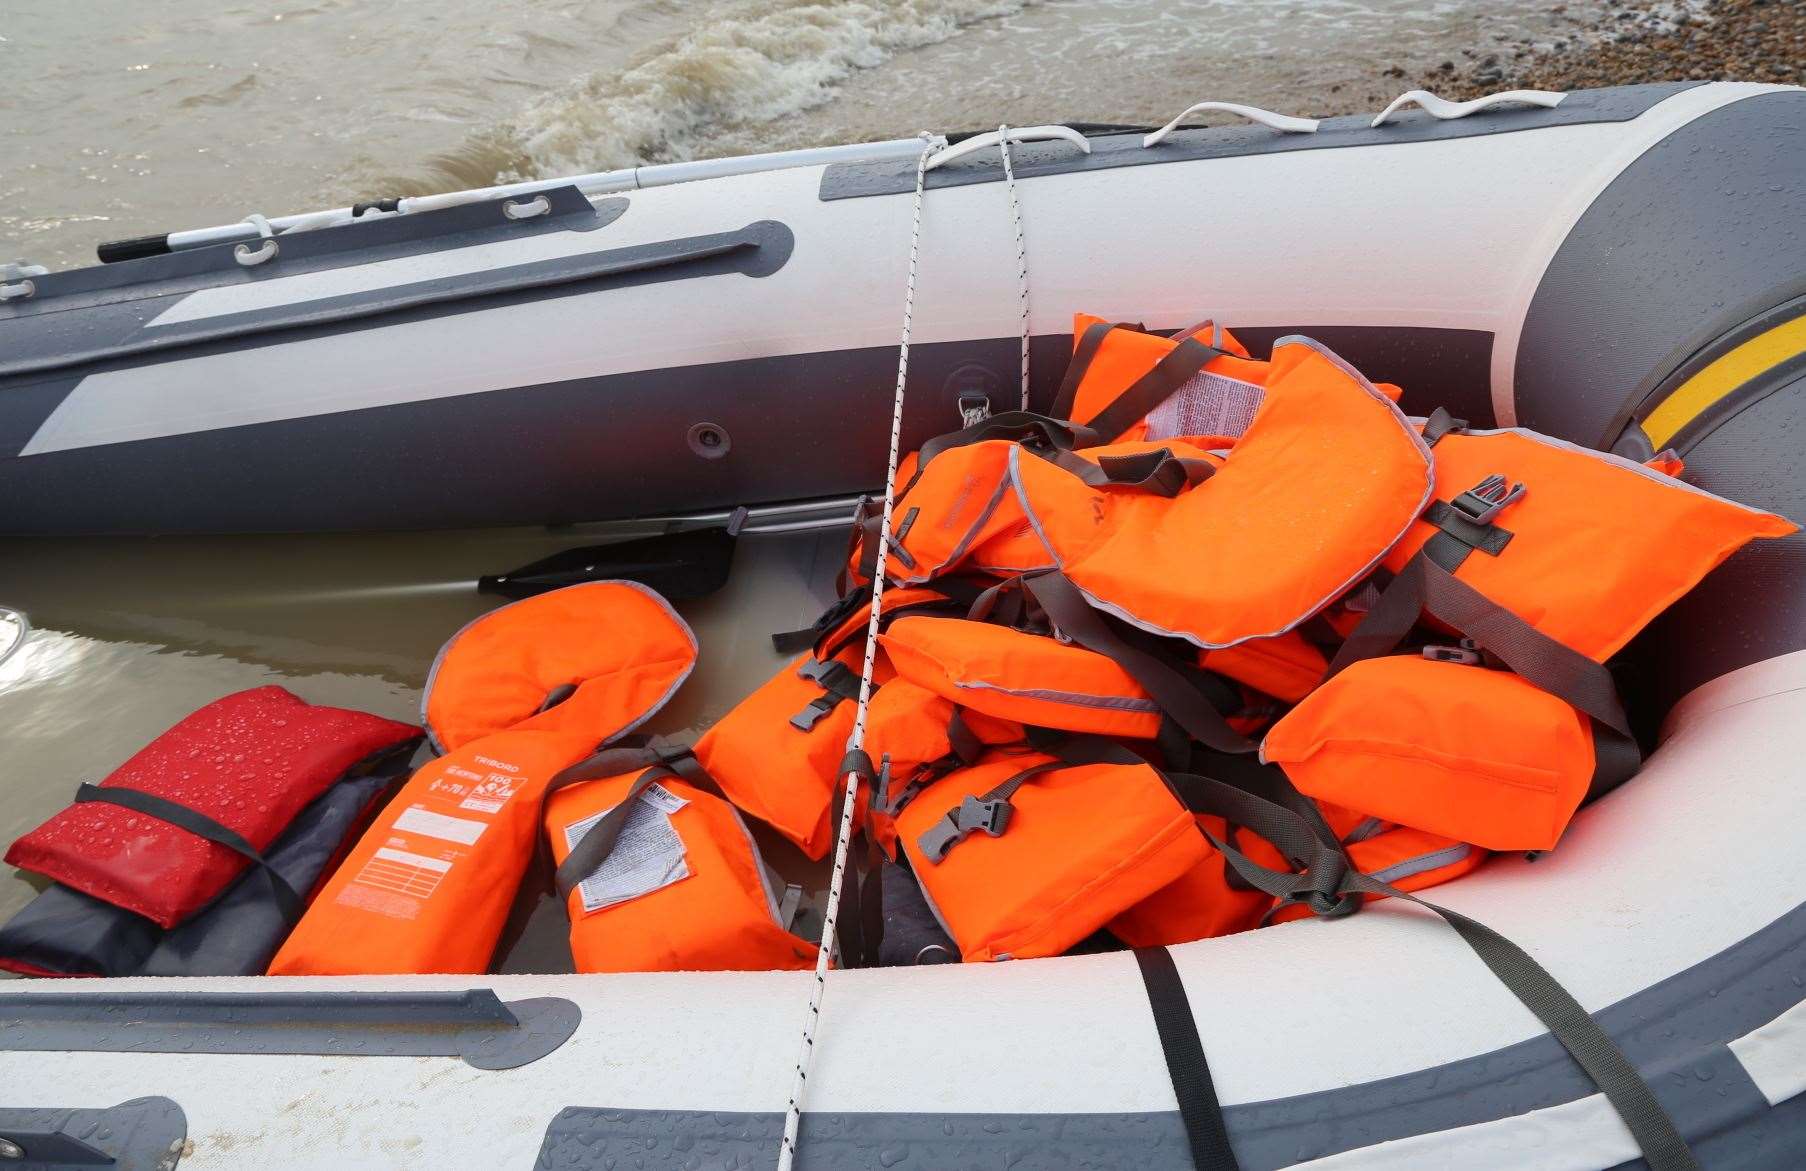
1434 860
1127 703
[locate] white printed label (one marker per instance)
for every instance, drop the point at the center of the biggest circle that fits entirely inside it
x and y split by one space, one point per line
648 855
421 820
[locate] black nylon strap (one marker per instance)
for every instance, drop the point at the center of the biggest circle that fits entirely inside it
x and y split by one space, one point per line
201 826
1069 610
1152 389
1330 881
1199 1109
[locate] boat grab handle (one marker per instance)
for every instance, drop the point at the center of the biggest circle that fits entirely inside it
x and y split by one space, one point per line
1284 123
1444 109
473 1024
993 138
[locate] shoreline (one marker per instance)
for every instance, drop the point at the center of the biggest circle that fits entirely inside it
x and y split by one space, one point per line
1629 44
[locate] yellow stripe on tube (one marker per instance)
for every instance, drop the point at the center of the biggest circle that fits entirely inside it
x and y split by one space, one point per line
1726 373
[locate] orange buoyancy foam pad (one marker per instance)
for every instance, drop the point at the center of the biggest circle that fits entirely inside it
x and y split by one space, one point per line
600 657
1462 751
1202 903
1217 400
1015 675
1598 545
1326 479
1080 845
429 885
710 907
1286 667
249 762
960 500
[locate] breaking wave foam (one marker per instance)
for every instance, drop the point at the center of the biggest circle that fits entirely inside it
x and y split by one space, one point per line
755 62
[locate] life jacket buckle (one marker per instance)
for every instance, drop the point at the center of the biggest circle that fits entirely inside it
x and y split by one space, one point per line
1487 499
837 682
1466 652
814 713
971 816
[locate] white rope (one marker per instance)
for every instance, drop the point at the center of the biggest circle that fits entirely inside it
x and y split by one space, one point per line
1009 183
793 1115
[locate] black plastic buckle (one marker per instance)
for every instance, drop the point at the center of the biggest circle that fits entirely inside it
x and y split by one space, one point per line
815 712
971 816
974 408
1466 652
1487 499
838 684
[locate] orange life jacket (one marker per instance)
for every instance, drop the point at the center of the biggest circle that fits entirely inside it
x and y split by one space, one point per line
1219 399
1210 899
428 886
911 732
694 896
1202 903
1406 858
601 656
1323 482
777 754
1014 675
1022 855
1460 751
1585 546
516 696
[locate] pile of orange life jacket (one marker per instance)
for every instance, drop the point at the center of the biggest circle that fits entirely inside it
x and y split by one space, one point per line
1200 572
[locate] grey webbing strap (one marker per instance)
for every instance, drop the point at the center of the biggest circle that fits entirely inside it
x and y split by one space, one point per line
201 826
1016 426
1423 587
615 760
1175 695
1440 423
1326 893
596 845
1082 353
1460 536
962 741
1173 370
1616 759
1158 472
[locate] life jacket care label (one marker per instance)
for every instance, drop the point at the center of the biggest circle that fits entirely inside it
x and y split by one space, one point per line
648 856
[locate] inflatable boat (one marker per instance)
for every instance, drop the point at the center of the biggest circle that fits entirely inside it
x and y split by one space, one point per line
1624 269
